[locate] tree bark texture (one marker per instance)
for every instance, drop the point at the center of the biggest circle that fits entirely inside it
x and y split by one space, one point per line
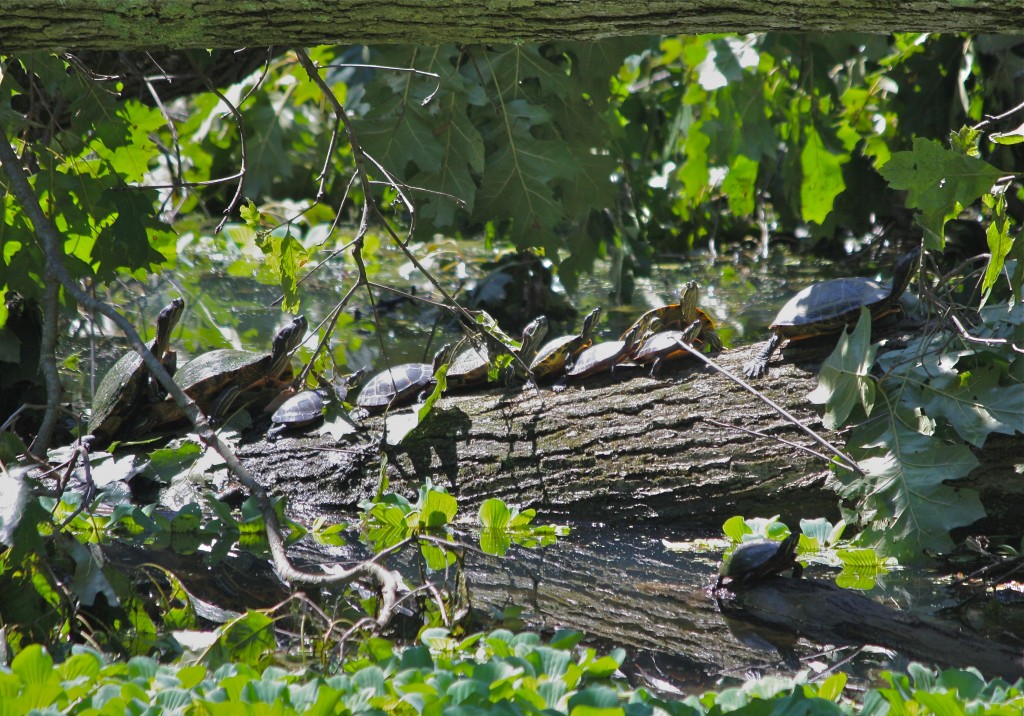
178 24
617 448
626 588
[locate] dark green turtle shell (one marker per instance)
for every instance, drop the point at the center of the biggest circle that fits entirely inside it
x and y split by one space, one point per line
553 355
395 385
300 409
469 367
207 376
124 389
757 559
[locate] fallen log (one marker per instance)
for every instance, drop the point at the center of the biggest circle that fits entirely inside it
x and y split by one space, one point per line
690 446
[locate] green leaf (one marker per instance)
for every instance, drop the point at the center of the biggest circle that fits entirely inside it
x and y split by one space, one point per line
494 514
247 639
845 380
907 495
822 172
438 509
976 404
939 182
1014 136
519 183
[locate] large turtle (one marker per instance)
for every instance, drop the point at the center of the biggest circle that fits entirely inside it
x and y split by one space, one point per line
127 387
401 383
217 380
829 306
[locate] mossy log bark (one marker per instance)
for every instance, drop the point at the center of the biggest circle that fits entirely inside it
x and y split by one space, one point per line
626 589
177 24
624 447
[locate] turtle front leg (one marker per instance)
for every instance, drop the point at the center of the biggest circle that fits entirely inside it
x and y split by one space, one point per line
759 365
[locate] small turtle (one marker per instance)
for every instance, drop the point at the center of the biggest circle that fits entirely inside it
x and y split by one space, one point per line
551 359
679 316
605 356
399 384
300 410
753 561
664 346
829 306
127 387
471 366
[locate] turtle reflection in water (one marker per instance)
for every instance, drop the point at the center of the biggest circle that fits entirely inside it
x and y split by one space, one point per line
758 559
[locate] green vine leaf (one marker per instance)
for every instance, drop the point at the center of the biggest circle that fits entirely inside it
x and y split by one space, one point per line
845 380
939 182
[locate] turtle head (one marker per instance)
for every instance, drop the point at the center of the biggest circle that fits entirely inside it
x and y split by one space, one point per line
289 337
444 355
534 333
590 322
688 298
166 321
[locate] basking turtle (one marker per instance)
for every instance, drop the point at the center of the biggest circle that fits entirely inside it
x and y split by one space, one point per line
472 365
127 387
829 306
215 380
605 356
300 410
679 316
753 561
401 383
664 346
551 359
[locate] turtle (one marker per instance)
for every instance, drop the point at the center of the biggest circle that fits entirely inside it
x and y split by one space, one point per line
679 316
127 387
757 559
401 383
472 365
830 306
551 359
605 356
301 409
664 346
216 380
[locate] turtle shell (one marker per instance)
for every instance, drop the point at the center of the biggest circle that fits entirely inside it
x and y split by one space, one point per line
605 356
300 409
123 389
395 385
761 558
468 368
825 306
553 355
828 306
206 377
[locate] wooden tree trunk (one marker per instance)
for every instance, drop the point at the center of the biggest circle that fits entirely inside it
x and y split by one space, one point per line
155 24
622 447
